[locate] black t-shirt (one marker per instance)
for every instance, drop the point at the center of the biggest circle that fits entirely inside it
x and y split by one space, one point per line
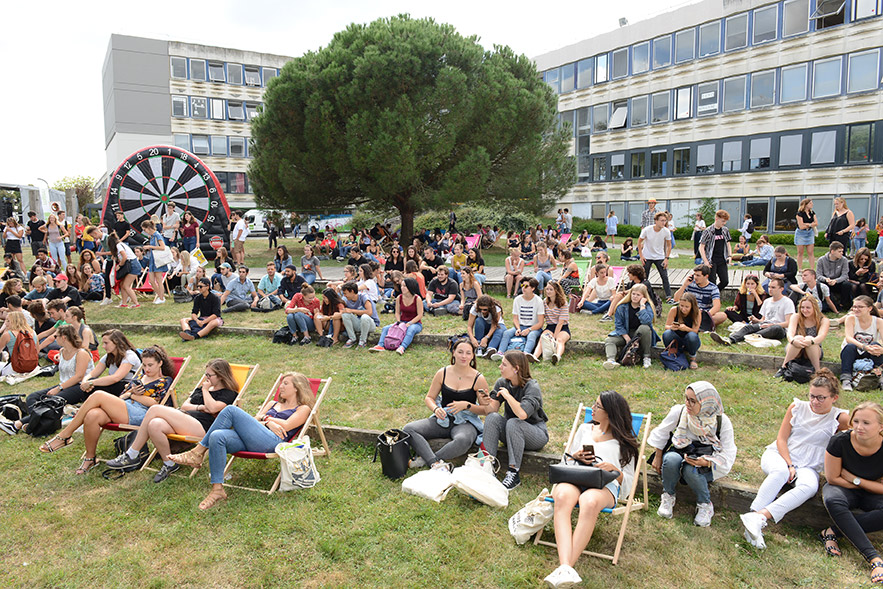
865 467
356 262
433 263
37 231
45 326
288 288
394 265
442 291
207 306
719 253
634 322
806 217
207 419
70 291
121 228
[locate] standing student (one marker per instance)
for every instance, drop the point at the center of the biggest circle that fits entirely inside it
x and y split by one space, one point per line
654 247
805 234
36 230
842 223
55 236
648 215
127 270
698 230
171 224
611 223
715 249
237 237
189 230
13 234
157 273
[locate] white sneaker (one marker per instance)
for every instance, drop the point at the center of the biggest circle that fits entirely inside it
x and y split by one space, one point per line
569 577
441 464
106 302
666 506
646 362
416 463
610 364
754 524
554 578
704 513
479 352
759 544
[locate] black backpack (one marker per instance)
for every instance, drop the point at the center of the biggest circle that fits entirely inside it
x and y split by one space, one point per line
282 336
46 416
120 445
750 226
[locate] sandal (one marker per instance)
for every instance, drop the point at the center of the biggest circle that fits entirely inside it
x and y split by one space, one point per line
188 458
92 462
693 365
833 550
213 498
48 447
876 573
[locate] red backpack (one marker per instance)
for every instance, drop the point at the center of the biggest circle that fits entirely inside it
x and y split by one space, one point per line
24 353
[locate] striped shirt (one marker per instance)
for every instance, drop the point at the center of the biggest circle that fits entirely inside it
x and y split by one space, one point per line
556 315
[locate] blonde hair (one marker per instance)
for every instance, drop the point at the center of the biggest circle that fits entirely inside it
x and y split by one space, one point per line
15 321
816 313
845 207
627 297
870 406
803 204
301 383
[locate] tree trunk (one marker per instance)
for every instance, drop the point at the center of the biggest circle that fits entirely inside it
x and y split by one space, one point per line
406 213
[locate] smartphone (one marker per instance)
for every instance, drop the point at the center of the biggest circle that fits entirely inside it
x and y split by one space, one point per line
589 449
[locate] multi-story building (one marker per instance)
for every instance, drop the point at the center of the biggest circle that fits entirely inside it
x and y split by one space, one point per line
196 97
755 103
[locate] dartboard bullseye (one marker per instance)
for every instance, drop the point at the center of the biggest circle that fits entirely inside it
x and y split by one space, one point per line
149 179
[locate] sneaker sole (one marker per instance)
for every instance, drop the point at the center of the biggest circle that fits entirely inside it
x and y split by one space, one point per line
665 515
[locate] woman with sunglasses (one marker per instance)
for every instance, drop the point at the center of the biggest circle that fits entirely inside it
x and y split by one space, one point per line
694 442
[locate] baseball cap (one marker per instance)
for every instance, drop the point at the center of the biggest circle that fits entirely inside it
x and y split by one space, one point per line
61 276
226 265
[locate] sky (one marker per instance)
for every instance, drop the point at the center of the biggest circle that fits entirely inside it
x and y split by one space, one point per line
52 53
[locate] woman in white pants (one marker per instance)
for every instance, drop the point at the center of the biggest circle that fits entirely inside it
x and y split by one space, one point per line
797 455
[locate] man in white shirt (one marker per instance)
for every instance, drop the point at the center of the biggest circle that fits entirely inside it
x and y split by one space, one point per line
811 286
654 247
568 220
528 316
240 232
775 313
171 222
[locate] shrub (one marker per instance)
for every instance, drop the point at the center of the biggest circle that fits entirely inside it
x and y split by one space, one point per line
684 233
468 219
599 228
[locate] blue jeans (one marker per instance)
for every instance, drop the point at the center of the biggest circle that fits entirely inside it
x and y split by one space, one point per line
596 307
56 252
309 277
689 341
168 242
672 472
481 278
542 277
413 330
482 327
755 262
529 345
454 275
300 322
233 431
189 243
858 243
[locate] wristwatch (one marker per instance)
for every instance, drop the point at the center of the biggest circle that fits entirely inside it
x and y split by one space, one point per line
856 481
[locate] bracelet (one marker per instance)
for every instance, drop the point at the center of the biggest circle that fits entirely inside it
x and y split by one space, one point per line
792 466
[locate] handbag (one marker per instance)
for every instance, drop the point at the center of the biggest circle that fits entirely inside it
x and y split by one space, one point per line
798 372
13 407
630 353
46 416
476 479
581 475
162 257
516 343
122 444
296 462
673 359
433 484
531 518
574 304
394 448
395 335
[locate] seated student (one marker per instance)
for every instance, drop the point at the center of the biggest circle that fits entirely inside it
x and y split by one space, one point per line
309 264
833 270
740 250
409 310
599 244
290 284
816 289
636 275
13 268
223 276
693 443
129 407
57 311
633 318
615 450
682 324
193 282
597 292
356 258
359 316
282 259
457 262
240 294
73 364
523 422
557 317
44 262
13 303
328 319
763 253
16 329
485 326
194 418
40 291
601 257
527 319
92 288
627 251
569 273
144 267
514 269
545 263
863 274
749 298
205 316
528 248
476 262
775 313
411 271
470 290
42 321
807 329
269 285
395 261
64 292
299 315
781 266
75 317
864 334
430 264
445 294
853 469
707 295
12 287
367 284
453 400
796 456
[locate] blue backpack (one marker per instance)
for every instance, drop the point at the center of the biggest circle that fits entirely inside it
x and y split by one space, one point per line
517 343
673 358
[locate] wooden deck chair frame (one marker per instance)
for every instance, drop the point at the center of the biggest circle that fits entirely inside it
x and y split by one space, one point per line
584 415
252 369
312 419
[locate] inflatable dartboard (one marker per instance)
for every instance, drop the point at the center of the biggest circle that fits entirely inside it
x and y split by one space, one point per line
149 179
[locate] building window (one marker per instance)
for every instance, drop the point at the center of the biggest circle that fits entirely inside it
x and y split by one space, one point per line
638 162
600 68
661 52
216 72
641 57
234 73
658 163
796 17
620 63
705 158
269 74
197 70
737 32
583 121
619 118
584 72
684 103
219 145
639 111
235 111
237 147
200 144
859 150
785 214
681 157
182 141
759 210
661 105
179 68
253 76
793 83
617 166
708 99
599 168
198 107
685 42
218 109
582 151
862 73
251 111
790 150
759 153
824 144
237 183
179 106
550 77
710 38
222 180
864 9
828 13
731 156
766 22
826 77
567 77
599 118
734 94
763 88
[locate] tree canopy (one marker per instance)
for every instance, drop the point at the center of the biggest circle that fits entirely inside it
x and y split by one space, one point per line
408 114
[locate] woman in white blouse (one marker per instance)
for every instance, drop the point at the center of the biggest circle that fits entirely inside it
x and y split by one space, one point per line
597 292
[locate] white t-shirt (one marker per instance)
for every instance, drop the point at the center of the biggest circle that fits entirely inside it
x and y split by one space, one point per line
776 312
123 247
654 242
168 225
240 231
603 292
527 311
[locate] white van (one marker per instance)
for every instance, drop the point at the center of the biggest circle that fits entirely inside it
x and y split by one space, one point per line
255 219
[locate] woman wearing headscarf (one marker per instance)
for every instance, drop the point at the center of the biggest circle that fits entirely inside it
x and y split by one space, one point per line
694 442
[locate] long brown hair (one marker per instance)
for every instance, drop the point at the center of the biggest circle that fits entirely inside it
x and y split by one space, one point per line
121 345
518 360
560 298
816 313
620 417
489 302
158 353
224 372
301 383
694 308
460 342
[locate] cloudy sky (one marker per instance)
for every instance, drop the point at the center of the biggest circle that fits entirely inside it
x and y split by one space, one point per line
51 53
